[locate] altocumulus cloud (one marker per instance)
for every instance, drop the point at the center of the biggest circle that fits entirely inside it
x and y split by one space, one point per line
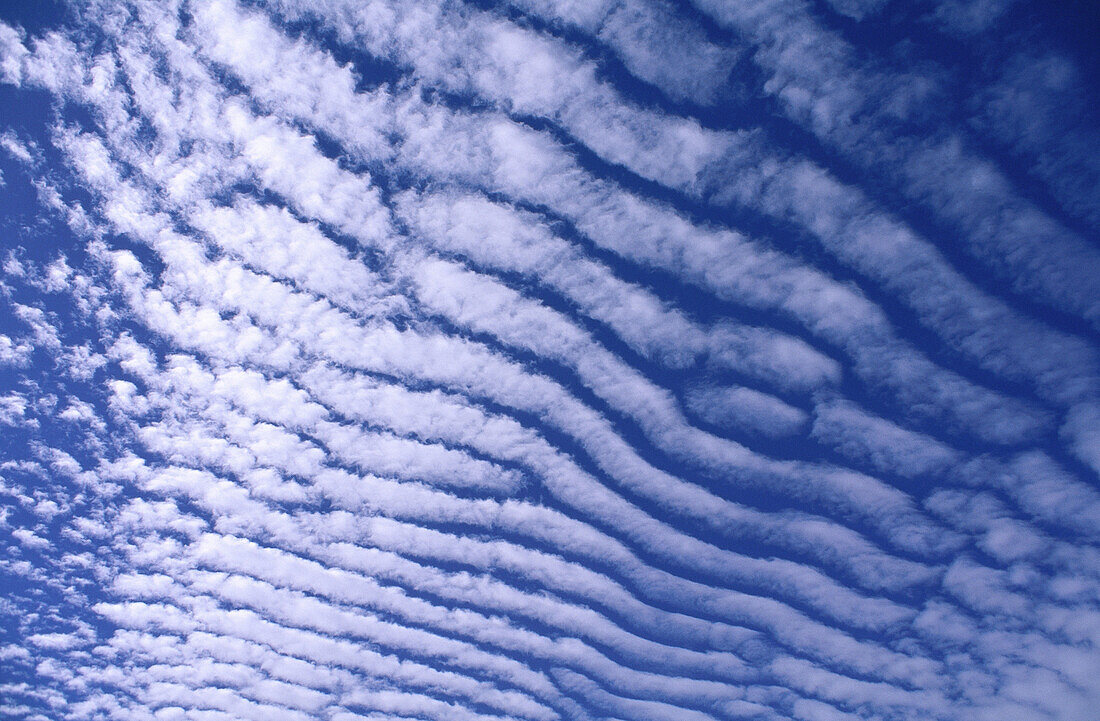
623 359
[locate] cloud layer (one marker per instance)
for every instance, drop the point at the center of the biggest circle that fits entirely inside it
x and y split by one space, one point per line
547 360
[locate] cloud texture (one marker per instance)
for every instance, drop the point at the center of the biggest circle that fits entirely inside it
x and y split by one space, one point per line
547 360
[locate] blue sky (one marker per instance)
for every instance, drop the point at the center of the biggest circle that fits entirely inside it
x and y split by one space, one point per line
622 359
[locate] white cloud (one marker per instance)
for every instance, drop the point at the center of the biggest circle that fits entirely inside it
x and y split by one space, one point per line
352 398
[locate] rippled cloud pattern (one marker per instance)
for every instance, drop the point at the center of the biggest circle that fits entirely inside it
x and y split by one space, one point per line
549 360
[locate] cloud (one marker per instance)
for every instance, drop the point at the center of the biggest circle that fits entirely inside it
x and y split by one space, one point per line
541 361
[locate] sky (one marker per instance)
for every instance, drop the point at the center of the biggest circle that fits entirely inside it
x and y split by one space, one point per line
655 360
